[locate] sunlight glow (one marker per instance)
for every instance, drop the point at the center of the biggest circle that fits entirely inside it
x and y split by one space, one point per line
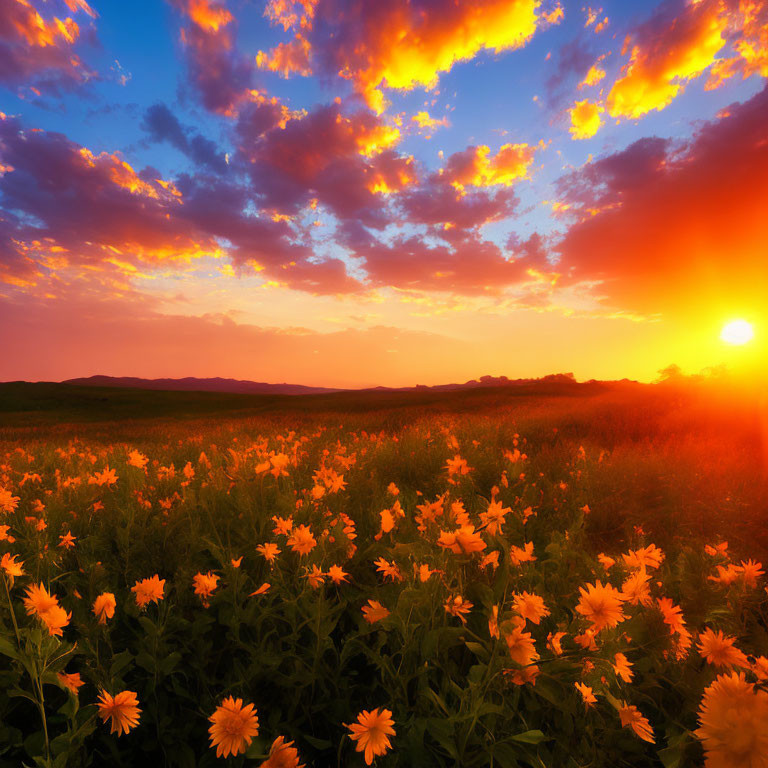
737 332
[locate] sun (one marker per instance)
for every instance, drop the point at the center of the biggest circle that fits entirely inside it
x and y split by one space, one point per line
737 332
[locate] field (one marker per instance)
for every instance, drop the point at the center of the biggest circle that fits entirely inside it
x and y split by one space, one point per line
497 578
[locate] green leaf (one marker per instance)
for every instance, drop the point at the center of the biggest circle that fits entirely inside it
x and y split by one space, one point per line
530 737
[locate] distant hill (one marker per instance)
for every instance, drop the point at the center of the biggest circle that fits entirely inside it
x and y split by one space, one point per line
191 384
237 386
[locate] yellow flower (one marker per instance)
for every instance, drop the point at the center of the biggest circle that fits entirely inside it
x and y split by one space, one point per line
371 732
122 710
233 727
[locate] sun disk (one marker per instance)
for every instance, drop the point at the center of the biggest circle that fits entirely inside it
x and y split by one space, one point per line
737 332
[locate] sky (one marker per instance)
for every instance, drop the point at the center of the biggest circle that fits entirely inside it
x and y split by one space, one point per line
352 193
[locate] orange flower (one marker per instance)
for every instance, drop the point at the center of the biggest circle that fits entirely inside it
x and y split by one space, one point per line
726 576
233 727
586 694
462 541
605 561
457 466
38 601
490 560
751 572
122 710
8 502
67 540
459 607
530 606
650 557
494 517
601 605
315 577
623 667
371 732
631 717
523 554
493 622
635 588
733 720
4 536
374 612
11 566
336 574
268 551
136 459
520 644
55 619
523 676
553 642
149 590
283 525
282 754
236 561
301 540
388 570
104 607
71 681
205 584
263 589
718 649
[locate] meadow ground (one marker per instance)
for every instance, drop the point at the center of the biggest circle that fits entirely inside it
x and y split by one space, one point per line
501 577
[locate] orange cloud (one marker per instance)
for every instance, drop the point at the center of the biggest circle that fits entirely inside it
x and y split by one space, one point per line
394 44
660 65
476 167
31 45
750 18
207 15
287 58
676 230
595 74
585 119
424 120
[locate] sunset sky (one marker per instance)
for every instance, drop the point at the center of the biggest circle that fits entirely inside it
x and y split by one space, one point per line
361 192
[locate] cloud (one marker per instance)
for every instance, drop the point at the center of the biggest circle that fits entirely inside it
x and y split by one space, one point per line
666 228
218 72
345 162
162 125
38 51
476 167
68 207
585 119
676 45
401 44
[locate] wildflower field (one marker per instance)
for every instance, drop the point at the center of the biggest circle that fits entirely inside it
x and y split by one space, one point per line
546 582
